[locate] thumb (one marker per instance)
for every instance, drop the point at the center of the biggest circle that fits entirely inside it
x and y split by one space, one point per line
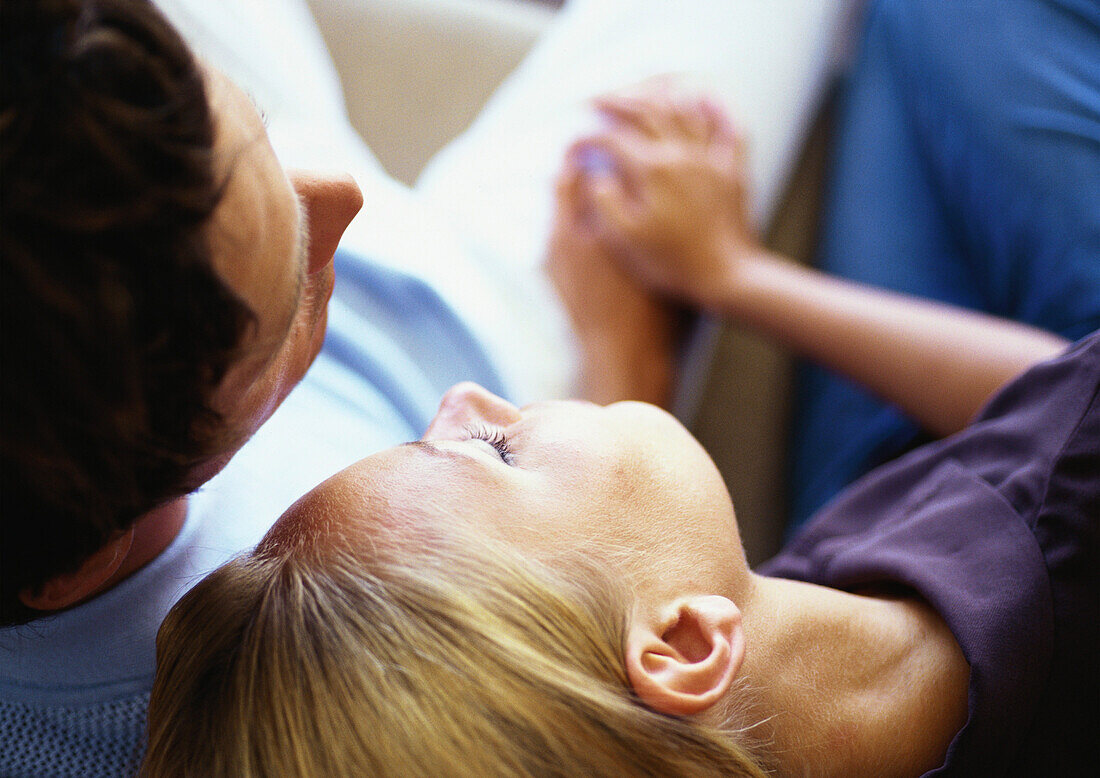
614 217
567 190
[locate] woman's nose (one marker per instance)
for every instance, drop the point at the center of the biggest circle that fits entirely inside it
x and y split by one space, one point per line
330 202
468 404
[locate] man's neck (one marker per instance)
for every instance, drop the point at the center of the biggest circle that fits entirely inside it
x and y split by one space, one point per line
850 684
153 533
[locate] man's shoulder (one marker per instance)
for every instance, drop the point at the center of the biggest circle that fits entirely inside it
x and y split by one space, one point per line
102 738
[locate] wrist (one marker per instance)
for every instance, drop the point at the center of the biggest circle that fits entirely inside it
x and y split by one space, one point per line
746 279
612 370
719 281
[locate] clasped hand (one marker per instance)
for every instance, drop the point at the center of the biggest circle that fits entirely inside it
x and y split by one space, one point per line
668 194
651 213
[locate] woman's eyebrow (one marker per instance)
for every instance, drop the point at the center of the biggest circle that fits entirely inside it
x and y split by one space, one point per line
428 447
431 449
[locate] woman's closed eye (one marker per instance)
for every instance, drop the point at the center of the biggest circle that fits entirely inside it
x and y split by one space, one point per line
495 437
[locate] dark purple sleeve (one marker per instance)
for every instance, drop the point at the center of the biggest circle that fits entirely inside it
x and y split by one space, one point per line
996 528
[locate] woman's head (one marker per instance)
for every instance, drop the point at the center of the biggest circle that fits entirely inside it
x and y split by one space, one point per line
557 599
547 477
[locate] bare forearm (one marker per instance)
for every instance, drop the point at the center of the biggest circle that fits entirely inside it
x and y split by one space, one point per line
938 363
673 211
611 371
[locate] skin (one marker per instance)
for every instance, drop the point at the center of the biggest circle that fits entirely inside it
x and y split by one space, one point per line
626 332
273 236
671 210
291 224
837 675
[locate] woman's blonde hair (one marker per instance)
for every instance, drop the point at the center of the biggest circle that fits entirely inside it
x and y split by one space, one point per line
462 658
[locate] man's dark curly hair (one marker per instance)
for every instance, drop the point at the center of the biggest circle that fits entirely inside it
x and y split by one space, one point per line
115 327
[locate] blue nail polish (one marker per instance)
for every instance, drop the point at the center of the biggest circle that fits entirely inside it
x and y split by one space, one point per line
595 161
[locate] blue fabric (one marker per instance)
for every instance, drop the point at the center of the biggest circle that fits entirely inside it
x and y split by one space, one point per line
74 687
967 170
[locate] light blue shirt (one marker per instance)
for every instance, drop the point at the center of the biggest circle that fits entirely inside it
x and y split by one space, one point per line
74 687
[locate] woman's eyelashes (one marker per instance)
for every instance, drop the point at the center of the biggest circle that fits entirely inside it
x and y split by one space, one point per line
496 438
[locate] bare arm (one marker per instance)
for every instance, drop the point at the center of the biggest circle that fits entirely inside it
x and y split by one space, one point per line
624 330
938 363
672 207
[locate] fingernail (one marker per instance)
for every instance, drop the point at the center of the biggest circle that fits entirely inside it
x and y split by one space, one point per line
595 161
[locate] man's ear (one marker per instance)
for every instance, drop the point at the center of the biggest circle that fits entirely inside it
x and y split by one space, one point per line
69 589
685 662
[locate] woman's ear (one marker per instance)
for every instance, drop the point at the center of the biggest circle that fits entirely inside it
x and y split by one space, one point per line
687 661
69 589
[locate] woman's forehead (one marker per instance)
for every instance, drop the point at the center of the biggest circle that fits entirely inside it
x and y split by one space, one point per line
393 493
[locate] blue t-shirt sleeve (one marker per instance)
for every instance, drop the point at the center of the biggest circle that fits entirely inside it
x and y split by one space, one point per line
396 333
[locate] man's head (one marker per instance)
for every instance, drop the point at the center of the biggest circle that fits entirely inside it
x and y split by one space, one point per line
164 287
